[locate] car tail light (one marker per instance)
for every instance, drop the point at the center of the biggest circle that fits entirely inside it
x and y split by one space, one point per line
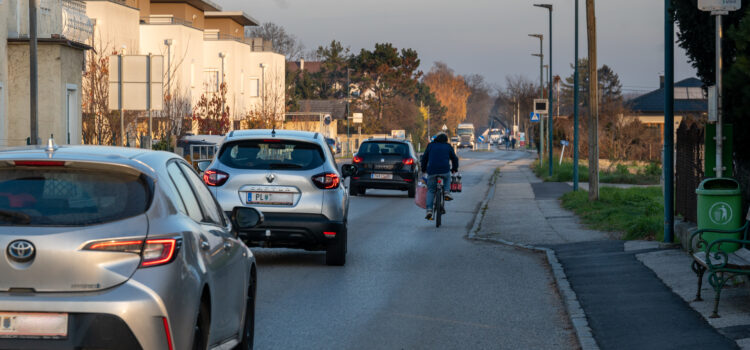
408 161
154 252
213 177
158 252
357 160
38 163
326 181
329 234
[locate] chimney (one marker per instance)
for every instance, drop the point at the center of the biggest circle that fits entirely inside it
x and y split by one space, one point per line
301 64
661 81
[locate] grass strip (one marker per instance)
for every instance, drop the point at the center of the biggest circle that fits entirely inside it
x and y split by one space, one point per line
638 213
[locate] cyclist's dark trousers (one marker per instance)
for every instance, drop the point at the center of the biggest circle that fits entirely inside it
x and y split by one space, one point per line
432 186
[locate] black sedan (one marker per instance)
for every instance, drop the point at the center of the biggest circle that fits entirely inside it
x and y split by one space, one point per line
389 164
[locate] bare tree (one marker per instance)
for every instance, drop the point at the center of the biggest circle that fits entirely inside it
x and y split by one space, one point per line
283 42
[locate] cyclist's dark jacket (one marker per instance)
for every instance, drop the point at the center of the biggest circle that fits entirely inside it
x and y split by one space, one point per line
439 156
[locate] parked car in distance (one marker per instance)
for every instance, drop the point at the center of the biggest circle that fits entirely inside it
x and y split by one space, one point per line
385 164
119 248
292 177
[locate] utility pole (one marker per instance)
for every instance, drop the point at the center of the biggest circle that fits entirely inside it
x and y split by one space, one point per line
541 93
348 97
33 76
576 88
668 165
593 103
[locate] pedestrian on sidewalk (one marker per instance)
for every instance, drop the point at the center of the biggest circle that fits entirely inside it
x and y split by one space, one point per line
438 159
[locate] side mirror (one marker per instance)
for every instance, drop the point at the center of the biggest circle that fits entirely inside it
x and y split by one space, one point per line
244 218
348 170
203 165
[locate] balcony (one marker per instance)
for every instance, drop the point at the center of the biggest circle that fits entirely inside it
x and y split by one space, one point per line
165 20
56 19
259 45
214 34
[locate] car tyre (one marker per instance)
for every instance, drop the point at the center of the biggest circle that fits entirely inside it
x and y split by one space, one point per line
336 250
248 329
202 326
412 191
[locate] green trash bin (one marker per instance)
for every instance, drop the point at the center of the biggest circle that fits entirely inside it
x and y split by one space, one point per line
720 207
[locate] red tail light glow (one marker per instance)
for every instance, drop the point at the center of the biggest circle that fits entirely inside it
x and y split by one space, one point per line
153 251
329 234
357 160
408 161
39 163
158 251
213 177
326 181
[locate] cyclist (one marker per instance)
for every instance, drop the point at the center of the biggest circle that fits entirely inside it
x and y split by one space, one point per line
436 161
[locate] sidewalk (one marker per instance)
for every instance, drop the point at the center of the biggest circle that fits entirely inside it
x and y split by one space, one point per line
625 304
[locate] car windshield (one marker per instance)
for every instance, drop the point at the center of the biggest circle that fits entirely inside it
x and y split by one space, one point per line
271 154
384 148
465 131
60 196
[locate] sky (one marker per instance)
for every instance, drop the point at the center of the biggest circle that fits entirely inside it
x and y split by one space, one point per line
486 37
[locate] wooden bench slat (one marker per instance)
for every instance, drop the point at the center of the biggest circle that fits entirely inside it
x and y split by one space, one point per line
740 259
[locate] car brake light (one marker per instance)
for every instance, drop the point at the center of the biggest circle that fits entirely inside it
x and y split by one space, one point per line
39 163
408 161
326 181
357 160
153 251
158 251
213 177
329 234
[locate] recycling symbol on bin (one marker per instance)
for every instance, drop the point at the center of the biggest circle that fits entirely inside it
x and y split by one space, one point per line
720 213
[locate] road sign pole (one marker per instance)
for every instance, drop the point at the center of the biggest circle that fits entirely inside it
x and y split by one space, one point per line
576 88
119 100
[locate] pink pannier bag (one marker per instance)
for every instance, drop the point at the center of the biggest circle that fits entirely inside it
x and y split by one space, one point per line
420 198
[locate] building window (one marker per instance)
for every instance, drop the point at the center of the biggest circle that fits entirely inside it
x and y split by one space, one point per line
212 80
254 87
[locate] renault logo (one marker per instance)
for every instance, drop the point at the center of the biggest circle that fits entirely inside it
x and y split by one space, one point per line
21 251
270 178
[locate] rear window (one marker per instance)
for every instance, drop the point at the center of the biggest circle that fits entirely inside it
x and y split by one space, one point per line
384 148
271 154
70 197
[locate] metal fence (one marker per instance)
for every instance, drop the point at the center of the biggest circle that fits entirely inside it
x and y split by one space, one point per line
689 169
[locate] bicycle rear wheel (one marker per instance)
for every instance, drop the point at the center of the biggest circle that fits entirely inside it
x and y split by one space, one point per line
438 208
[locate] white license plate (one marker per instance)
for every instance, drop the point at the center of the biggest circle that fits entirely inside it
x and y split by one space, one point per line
382 176
270 198
33 325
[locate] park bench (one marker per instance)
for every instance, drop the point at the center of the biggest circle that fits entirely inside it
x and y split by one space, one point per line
721 266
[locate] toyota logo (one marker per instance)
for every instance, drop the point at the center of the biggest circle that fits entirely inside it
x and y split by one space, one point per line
21 251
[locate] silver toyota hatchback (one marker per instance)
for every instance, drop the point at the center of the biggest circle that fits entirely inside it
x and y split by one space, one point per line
292 177
118 248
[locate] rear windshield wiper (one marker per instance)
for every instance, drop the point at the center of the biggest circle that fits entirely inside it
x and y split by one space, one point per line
284 165
15 217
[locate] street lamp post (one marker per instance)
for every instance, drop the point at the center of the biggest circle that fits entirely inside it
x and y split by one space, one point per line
541 92
575 106
222 56
348 97
263 99
550 128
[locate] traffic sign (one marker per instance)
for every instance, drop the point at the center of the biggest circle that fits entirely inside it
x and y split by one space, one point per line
445 128
719 5
540 106
564 143
327 119
480 138
534 117
357 118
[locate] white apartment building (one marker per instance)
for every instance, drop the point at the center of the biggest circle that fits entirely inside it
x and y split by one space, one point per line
202 45
63 29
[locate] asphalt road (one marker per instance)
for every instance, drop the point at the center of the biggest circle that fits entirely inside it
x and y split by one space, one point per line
409 285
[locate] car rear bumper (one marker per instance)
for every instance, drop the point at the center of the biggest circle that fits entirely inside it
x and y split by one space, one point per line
128 316
292 230
402 184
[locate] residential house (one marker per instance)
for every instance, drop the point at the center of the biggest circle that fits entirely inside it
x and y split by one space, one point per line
689 101
62 29
203 47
